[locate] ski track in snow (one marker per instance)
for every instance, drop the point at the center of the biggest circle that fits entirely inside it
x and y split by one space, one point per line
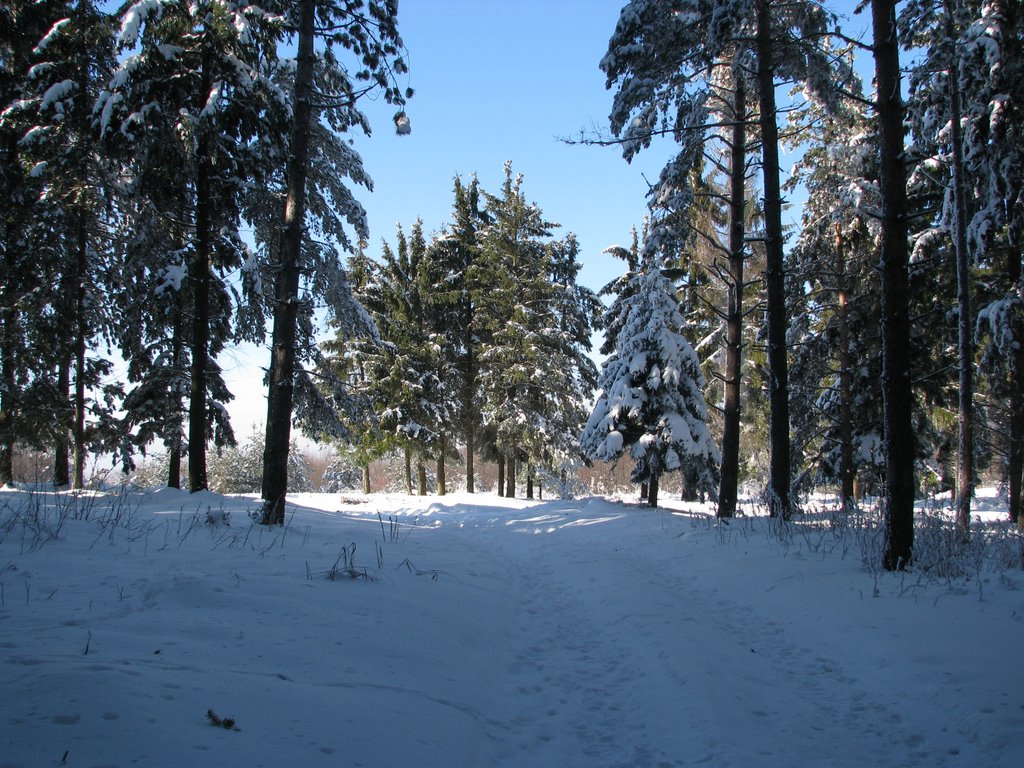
562 634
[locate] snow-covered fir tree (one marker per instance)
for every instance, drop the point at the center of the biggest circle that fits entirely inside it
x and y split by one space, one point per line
650 402
344 51
198 75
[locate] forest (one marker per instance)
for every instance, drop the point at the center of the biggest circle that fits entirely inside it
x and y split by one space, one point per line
179 179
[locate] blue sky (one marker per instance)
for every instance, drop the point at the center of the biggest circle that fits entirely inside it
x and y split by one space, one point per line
497 81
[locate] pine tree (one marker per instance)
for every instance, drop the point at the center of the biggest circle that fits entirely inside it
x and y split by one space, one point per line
458 283
71 63
663 57
198 74
368 30
963 116
897 396
650 399
835 344
24 25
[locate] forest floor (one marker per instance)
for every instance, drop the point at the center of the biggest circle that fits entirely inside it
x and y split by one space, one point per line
167 629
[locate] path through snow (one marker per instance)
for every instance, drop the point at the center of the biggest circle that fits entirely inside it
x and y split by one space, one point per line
494 633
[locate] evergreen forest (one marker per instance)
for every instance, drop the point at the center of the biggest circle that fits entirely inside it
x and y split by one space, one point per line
178 178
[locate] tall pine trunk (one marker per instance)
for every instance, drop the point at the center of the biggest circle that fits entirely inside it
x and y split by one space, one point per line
441 476
78 427
965 338
729 482
847 472
1015 460
282 361
199 284
62 446
652 490
501 475
775 278
176 424
510 477
897 395
469 387
8 322
408 472
1015 453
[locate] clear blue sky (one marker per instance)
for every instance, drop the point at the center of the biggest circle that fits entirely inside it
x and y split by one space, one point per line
498 80
501 80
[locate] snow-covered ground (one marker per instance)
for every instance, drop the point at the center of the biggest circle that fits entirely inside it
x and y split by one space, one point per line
467 630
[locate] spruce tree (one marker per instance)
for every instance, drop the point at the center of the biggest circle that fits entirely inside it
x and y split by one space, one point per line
650 400
368 31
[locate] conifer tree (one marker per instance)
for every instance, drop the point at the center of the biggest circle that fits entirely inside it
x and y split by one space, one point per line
323 91
650 400
198 74
897 396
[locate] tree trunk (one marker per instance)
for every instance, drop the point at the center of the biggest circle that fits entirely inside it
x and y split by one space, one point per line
441 490
501 475
173 440
421 476
775 277
408 472
62 449
174 467
1015 457
846 468
282 362
729 483
652 491
199 283
510 477
897 396
367 486
644 490
469 385
1015 460
965 340
78 427
529 481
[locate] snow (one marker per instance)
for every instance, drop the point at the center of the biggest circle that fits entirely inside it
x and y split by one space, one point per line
50 36
471 630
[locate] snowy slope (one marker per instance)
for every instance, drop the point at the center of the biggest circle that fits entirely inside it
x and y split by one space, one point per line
479 631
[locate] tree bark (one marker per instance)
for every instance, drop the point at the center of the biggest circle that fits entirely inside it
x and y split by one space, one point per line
441 477
469 387
174 437
729 482
199 283
367 486
501 475
846 467
1015 460
775 277
62 449
897 395
421 476
510 477
652 491
408 472
965 337
282 362
529 482
78 427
